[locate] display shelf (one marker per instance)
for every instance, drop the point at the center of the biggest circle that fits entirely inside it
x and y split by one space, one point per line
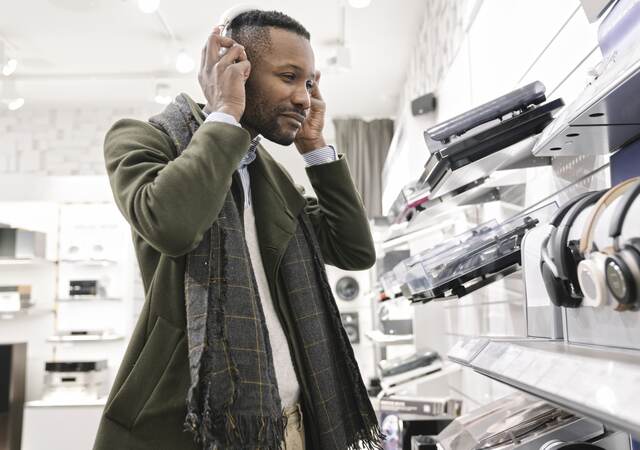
437 213
85 338
444 179
441 212
25 262
90 262
599 383
25 313
438 377
378 337
601 119
66 403
88 299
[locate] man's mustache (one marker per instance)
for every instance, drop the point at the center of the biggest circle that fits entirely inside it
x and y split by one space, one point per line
297 112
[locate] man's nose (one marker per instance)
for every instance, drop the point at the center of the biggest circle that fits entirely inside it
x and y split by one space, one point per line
302 98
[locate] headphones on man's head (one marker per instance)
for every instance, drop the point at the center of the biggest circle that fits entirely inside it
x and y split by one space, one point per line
591 270
559 259
227 17
622 267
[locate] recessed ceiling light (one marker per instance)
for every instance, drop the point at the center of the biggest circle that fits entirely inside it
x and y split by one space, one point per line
359 3
9 67
184 62
148 6
15 103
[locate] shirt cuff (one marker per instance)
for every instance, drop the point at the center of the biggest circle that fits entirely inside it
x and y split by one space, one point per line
218 116
320 156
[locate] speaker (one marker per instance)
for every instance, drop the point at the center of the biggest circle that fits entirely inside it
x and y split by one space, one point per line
351 324
424 104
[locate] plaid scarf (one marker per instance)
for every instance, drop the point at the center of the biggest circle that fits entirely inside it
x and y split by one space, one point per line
233 402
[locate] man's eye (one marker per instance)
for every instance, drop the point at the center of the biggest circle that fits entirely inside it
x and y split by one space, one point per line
309 85
288 76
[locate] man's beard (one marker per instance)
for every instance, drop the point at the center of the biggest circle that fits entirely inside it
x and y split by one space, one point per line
263 119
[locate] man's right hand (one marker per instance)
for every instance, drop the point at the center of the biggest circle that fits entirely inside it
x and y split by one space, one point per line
222 79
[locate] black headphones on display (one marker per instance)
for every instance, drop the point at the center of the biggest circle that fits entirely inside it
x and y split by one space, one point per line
559 259
622 267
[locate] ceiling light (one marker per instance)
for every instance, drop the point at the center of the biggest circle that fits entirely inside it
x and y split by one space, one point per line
359 3
9 95
148 6
15 103
163 94
9 67
184 62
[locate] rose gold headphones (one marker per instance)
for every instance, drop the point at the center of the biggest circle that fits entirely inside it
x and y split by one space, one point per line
591 270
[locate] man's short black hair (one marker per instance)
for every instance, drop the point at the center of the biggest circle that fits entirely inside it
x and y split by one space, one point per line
258 18
251 29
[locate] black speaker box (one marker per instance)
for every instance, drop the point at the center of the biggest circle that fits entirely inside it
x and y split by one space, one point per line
423 104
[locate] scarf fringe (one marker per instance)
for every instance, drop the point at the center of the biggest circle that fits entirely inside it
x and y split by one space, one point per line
371 438
236 432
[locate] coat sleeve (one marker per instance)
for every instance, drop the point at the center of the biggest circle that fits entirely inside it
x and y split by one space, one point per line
171 201
339 218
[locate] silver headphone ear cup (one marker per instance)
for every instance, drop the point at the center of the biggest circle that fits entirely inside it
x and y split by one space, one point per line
591 276
622 272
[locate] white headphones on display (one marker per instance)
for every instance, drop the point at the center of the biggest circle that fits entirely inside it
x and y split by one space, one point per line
591 270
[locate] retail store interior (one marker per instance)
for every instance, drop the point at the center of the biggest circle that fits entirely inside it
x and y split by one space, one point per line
493 143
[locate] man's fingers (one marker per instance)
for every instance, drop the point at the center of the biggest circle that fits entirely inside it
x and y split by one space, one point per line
242 67
235 54
315 91
212 49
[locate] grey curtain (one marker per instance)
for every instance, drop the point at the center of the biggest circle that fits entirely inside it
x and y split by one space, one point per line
365 145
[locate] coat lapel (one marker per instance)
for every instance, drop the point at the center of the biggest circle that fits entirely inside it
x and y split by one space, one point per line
276 203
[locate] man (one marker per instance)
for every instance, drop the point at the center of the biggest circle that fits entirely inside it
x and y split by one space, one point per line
239 340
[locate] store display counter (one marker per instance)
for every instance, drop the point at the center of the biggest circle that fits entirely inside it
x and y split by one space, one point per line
603 384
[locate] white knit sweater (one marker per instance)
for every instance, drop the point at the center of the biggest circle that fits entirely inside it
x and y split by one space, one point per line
285 373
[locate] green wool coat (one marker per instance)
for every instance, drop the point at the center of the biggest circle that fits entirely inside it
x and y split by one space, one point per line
170 202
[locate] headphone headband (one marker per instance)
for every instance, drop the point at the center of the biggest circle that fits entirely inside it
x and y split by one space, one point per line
227 17
622 210
561 238
564 209
586 240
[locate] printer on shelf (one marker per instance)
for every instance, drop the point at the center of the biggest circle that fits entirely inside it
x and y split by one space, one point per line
75 380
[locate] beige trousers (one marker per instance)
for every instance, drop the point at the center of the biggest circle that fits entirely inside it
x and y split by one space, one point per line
294 433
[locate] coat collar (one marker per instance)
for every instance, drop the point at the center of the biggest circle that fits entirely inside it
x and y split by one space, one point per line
275 199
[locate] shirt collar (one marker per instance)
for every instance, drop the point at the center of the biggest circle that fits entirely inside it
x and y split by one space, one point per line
251 154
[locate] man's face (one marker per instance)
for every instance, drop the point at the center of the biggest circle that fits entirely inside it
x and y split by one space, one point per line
277 91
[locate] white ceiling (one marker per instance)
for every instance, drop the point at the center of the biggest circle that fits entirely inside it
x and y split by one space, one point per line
108 51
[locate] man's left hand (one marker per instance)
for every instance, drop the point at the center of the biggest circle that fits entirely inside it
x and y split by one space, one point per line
310 136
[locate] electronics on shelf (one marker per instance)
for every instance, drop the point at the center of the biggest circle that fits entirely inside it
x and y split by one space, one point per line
466 140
